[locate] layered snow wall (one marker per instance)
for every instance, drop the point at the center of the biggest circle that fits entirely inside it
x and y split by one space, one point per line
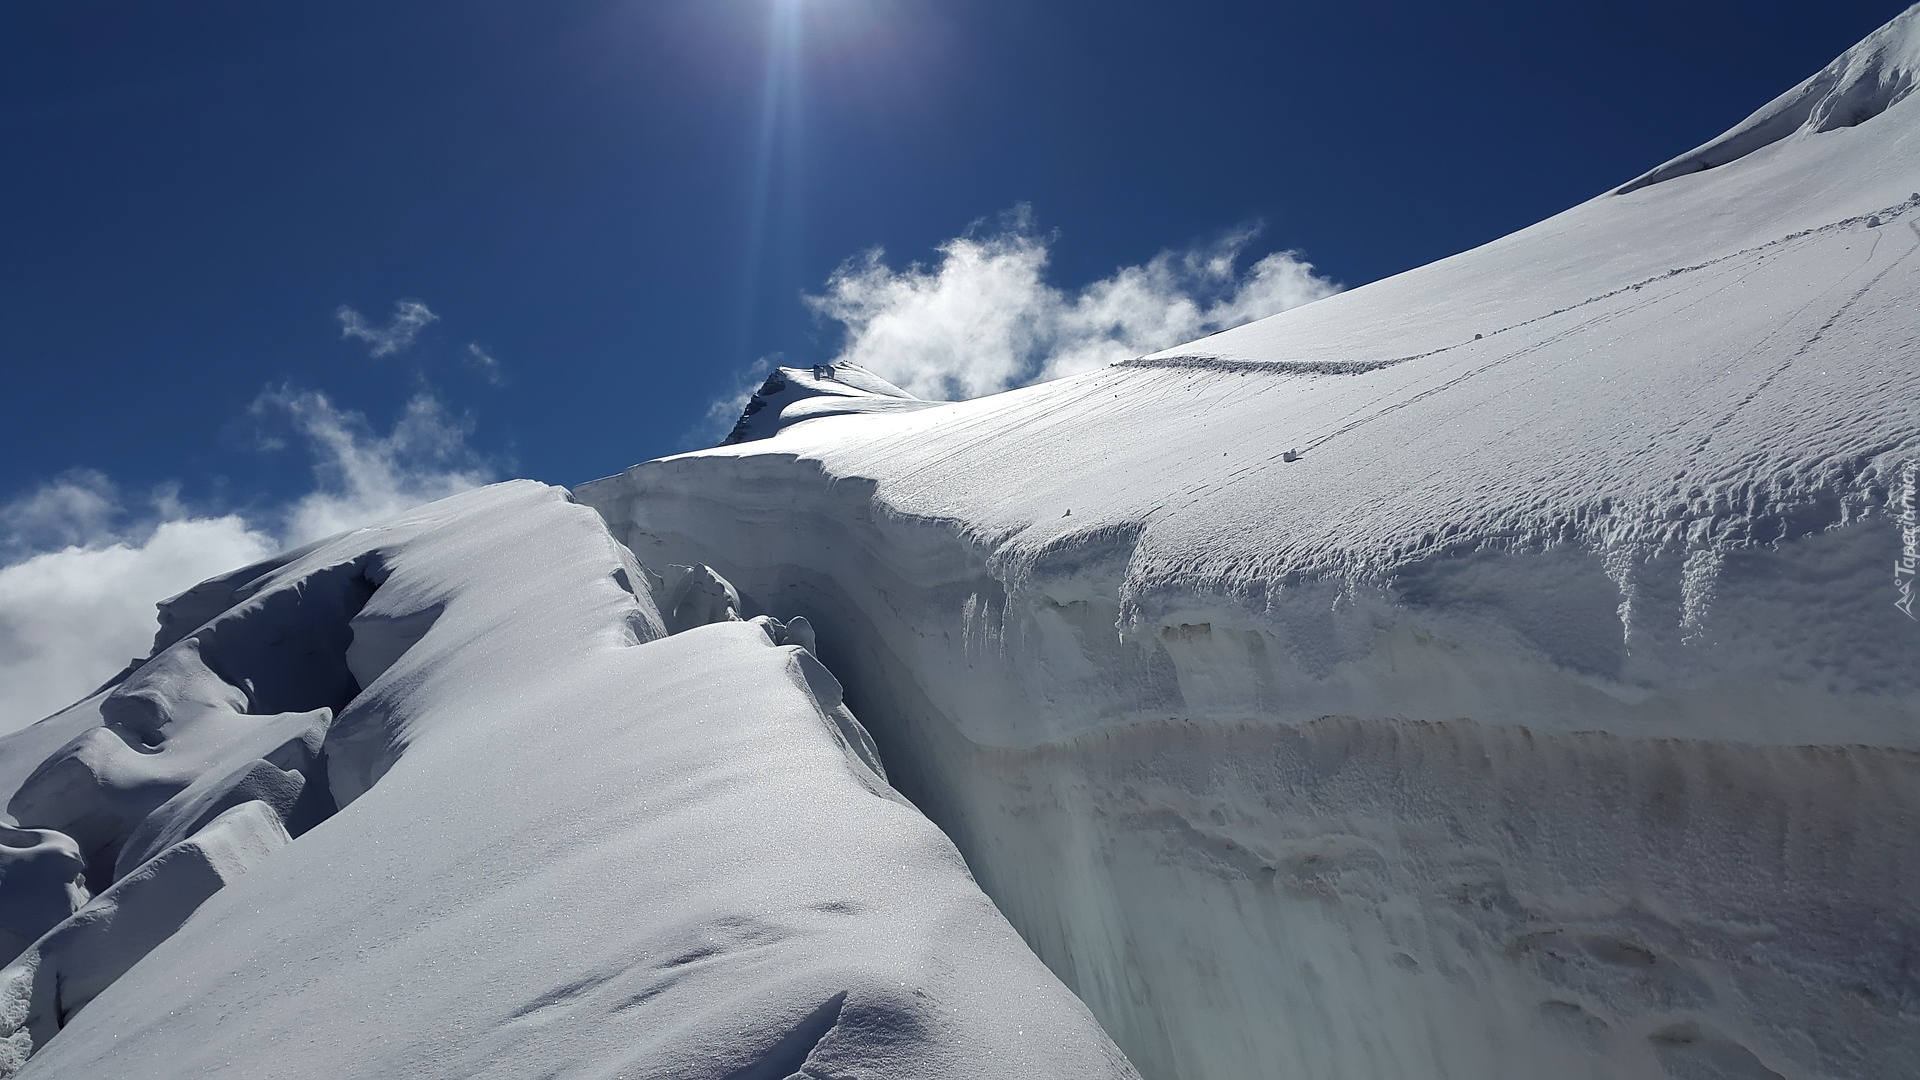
533 835
1491 672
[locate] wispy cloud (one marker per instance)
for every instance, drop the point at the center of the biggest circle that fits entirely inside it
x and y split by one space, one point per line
361 475
409 318
983 317
78 505
484 361
82 562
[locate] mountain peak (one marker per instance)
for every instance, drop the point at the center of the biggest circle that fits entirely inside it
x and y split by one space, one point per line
793 394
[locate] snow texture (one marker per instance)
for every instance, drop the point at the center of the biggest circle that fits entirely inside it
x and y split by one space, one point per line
537 836
1493 671
41 878
73 962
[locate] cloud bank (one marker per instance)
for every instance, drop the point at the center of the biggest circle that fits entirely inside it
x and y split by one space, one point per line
82 563
983 317
70 619
409 318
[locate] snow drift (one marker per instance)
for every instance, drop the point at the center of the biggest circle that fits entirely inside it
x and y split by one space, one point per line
537 835
1493 671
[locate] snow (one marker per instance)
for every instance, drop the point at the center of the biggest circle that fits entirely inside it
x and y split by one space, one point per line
41 873
68 967
1863 83
1492 671
791 395
557 841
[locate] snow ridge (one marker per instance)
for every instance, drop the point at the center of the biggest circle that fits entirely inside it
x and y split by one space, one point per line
1862 83
557 838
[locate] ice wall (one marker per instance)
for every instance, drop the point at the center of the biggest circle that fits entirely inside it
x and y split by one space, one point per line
1385 867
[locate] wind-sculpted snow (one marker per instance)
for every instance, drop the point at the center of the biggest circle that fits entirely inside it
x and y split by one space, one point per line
76 960
791 395
42 877
244 686
555 841
1490 672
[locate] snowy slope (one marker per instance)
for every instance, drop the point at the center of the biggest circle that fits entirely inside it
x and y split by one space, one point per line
1490 672
534 836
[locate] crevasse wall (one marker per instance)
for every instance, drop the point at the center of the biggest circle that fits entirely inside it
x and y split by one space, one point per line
1410 830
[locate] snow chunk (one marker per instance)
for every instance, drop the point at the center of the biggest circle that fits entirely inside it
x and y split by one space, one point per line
41 883
68 967
698 596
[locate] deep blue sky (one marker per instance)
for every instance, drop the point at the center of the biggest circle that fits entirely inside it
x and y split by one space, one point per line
191 190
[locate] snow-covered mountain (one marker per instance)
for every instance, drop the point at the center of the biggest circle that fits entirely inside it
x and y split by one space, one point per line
1491 672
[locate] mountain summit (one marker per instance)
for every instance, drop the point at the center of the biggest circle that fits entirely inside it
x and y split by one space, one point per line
791 395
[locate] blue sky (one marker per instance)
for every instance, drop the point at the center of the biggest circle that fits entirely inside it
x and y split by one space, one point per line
613 210
195 189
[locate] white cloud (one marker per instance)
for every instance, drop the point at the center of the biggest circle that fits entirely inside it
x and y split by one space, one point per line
484 360
71 617
84 564
969 326
80 504
361 476
984 319
409 318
